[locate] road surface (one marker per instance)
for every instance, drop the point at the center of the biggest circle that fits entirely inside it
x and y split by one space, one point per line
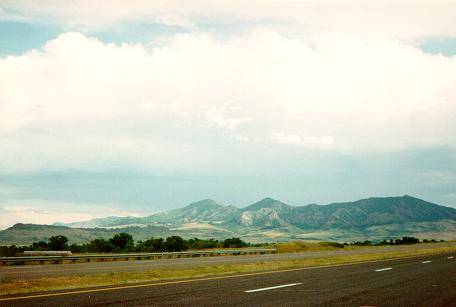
27 272
419 281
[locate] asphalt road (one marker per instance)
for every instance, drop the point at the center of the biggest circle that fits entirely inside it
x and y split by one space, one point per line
27 272
420 281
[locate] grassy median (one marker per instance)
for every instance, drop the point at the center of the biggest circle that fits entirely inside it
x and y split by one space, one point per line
122 278
304 246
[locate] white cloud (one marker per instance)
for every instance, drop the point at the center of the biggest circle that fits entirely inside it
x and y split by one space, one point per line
48 212
219 117
402 19
249 84
296 140
176 20
81 104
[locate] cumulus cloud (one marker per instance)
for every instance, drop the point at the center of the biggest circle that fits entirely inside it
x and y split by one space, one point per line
83 104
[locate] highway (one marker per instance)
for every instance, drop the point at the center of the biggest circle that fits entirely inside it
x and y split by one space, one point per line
27 272
418 281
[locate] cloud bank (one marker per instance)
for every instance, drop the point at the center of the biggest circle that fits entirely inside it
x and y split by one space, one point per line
302 101
406 19
79 103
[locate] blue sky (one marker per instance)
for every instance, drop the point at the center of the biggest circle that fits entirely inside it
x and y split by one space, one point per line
19 37
134 109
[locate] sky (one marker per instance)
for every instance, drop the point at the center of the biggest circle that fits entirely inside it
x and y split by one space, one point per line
130 108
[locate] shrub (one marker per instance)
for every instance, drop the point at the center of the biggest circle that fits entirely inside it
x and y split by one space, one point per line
10 251
333 244
76 249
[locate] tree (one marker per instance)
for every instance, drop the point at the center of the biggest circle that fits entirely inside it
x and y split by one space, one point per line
122 241
39 246
174 244
100 246
76 248
196 243
151 245
410 240
10 251
155 245
211 243
234 242
384 242
57 243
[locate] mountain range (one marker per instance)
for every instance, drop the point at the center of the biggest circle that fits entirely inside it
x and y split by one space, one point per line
374 218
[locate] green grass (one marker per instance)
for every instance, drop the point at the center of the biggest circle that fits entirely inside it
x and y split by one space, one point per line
122 278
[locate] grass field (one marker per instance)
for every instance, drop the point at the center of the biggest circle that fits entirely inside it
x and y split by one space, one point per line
119 278
303 246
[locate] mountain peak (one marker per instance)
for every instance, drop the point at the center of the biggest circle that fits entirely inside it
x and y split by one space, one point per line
204 204
267 202
406 196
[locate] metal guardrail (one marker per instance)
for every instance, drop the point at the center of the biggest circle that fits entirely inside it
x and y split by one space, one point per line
46 253
124 257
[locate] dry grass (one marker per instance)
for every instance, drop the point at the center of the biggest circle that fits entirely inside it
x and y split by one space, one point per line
303 246
120 278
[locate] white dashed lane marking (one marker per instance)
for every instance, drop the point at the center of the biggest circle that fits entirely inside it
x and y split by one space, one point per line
384 269
272 288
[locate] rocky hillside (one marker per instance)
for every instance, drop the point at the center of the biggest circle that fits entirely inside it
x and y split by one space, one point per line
272 220
274 213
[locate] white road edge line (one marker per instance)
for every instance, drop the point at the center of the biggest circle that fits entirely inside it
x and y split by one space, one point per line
451 257
271 288
384 269
428 261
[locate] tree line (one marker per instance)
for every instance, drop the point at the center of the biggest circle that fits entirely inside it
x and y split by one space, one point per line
404 240
123 243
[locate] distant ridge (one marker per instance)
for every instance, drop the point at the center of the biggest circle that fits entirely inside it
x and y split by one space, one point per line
361 213
271 220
